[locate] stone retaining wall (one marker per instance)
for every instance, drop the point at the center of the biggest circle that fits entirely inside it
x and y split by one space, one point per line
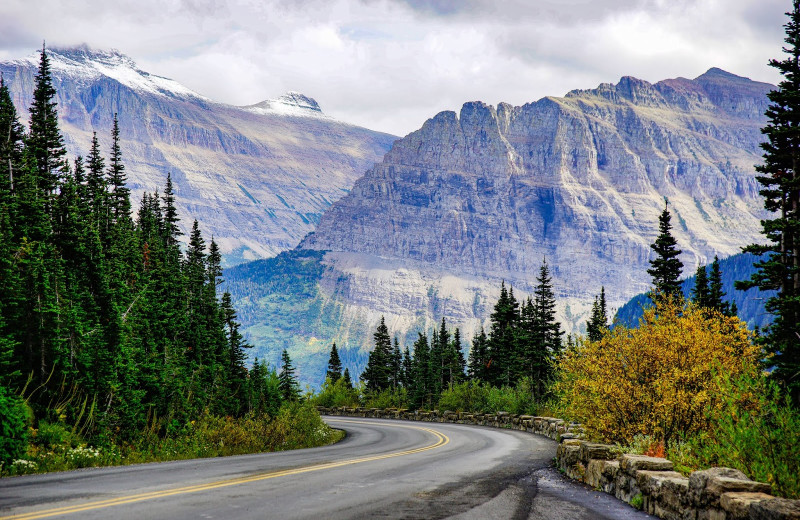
649 483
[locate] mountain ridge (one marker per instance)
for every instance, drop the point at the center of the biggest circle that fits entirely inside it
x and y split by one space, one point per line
486 194
257 182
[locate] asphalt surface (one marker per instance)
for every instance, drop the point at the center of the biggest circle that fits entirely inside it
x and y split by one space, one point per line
382 469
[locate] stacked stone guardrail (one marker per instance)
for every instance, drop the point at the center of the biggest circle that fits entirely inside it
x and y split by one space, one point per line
649 483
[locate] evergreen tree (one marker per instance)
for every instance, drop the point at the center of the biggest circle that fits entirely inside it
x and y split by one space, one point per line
408 369
347 380
422 383
171 229
666 267
377 375
334 365
96 187
11 141
119 194
598 323
479 356
780 176
547 331
716 294
501 344
44 139
700 293
396 365
289 388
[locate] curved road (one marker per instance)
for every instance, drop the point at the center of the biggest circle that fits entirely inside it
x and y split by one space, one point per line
382 469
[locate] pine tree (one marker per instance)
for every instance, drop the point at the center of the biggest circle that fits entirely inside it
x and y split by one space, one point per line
422 382
334 365
666 267
347 380
96 187
289 388
479 356
598 323
700 292
11 141
408 369
779 268
119 194
547 331
44 139
396 364
171 229
377 375
716 294
501 345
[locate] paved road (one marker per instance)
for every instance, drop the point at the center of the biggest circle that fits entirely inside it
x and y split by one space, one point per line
382 469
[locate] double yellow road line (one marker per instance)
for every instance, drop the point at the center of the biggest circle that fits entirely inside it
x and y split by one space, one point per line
441 440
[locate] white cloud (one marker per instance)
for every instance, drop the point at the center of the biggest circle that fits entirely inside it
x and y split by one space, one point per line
391 64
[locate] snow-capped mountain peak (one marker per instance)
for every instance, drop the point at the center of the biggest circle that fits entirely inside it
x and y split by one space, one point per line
84 63
292 103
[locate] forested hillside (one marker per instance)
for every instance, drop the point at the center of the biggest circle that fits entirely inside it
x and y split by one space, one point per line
750 304
108 330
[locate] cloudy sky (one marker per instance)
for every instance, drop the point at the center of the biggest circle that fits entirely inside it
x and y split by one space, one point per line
391 64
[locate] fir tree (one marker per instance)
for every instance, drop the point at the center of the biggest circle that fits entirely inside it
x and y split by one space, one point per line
347 380
44 139
479 356
598 323
779 268
408 369
716 294
422 381
666 267
396 365
547 331
501 348
700 292
289 388
377 375
11 142
119 194
334 365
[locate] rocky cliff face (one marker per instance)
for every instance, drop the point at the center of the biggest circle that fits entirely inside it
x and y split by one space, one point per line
258 178
474 198
578 180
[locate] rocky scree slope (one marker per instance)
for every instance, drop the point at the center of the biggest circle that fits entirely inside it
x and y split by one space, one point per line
257 178
485 195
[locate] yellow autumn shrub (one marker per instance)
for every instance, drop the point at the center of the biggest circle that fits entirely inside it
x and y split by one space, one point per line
657 379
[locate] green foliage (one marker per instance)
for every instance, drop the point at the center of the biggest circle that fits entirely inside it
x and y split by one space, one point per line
104 321
13 427
756 430
295 425
336 393
386 398
479 397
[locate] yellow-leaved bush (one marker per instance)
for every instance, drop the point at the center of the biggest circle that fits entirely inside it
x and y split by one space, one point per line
657 379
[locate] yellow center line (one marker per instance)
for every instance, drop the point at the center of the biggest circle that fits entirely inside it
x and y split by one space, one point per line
441 440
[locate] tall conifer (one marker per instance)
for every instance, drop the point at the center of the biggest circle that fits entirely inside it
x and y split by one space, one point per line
666 267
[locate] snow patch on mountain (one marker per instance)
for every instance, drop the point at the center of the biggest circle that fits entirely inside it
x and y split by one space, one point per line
290 104
87 65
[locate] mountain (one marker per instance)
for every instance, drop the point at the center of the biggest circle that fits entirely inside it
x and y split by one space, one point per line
486 195
257 178
750 304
